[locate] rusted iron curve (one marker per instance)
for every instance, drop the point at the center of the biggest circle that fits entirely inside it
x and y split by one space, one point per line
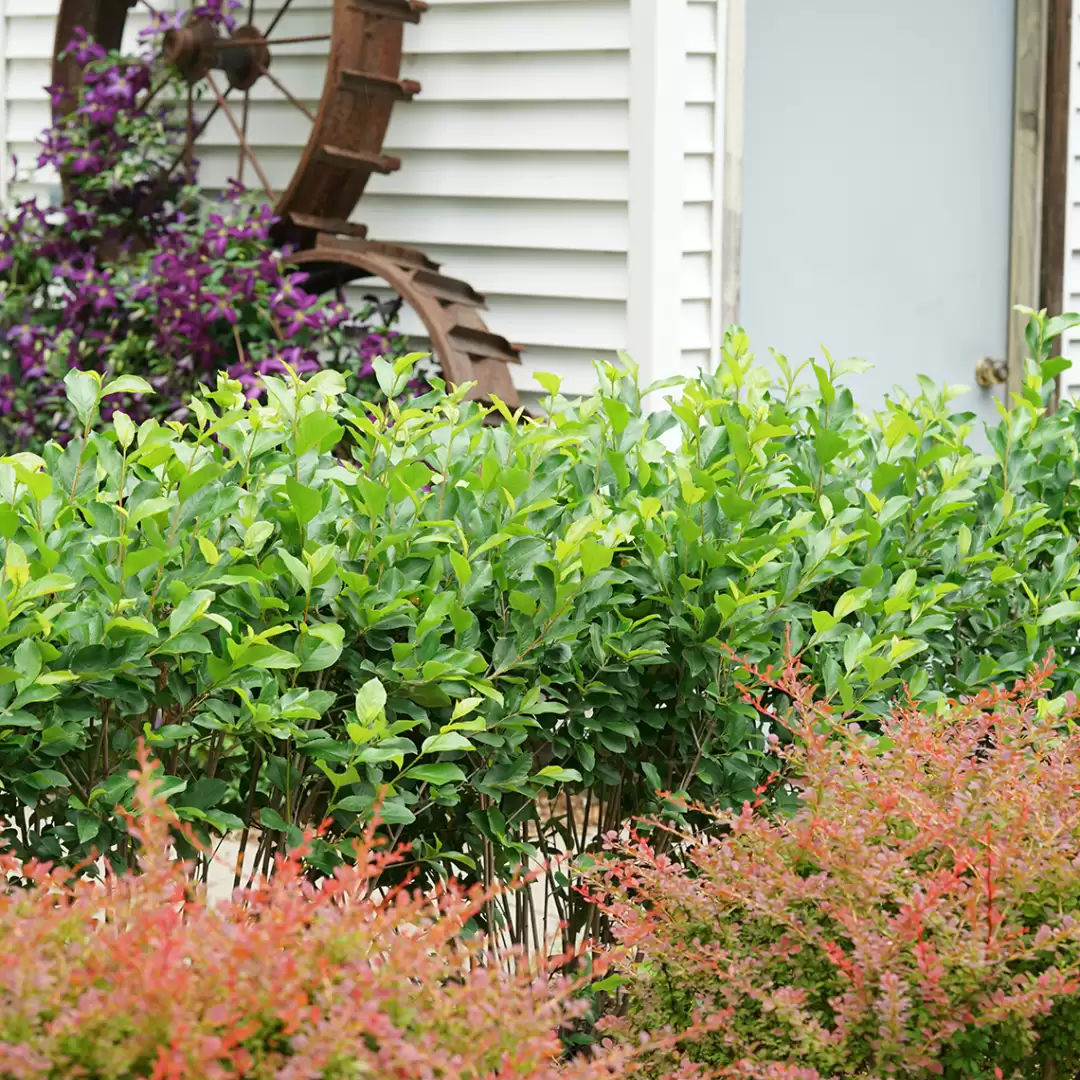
448 308
360 87
348 129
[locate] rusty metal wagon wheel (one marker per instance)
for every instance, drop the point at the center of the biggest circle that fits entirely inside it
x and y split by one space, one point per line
348 126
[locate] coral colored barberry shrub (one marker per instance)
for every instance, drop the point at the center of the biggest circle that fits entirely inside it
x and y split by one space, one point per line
139 976
919 914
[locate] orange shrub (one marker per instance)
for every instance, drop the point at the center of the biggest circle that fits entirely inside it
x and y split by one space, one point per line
918 915
139 976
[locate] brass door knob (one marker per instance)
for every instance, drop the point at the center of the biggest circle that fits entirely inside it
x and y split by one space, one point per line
990 372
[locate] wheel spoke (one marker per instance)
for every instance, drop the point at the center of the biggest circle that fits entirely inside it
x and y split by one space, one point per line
153 93
277 18
240 125
285 91
189 148
247 43
241 157
203 125
245 148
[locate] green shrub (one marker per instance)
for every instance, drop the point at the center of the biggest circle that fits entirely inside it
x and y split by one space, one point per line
475 615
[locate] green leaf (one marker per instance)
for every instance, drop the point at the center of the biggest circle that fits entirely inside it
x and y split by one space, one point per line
522 602
1065 611
150 508
257 534
44 779
208 551
87 827
438 773
48 583
317 429
82 391
300 573
127 384
548 382
125 429
197 480
205 793
354 804
136 625
28 660
375 495
385 377
16 565
391 750
461 566
828 445
652 776
271 819
617 413
595 556
169 786
465 706
321 646
184 643
307 502
189 611
552 774
370 701
395 812
1054 367
224 822
963 540
852 600
445 741
825 385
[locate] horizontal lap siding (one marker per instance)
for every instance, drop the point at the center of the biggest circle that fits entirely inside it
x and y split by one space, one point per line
515 157
700 162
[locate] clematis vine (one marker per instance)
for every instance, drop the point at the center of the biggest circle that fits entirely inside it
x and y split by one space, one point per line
138 270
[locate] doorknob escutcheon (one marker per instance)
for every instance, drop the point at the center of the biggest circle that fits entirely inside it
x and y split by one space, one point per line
990 372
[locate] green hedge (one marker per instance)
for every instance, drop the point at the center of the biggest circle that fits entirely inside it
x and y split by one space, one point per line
474 614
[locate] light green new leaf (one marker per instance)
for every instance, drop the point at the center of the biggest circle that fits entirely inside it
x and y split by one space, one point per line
127 384
553 774
1065 611
189 611
370 701
437 773
445 741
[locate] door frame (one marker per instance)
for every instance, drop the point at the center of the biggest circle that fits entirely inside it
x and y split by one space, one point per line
1040 165
1055 204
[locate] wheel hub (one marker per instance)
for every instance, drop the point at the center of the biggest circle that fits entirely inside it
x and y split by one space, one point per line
198 48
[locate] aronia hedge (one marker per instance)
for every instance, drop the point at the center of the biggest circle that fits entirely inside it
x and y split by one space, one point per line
305 603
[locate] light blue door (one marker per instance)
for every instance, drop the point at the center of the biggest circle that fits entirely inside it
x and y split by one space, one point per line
877 185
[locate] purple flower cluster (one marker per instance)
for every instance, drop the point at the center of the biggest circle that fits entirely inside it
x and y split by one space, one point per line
136 272
221 13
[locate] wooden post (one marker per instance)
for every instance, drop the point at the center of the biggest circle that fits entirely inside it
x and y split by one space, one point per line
1029 143
1055 209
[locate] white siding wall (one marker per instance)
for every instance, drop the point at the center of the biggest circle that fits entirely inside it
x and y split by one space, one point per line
515 157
